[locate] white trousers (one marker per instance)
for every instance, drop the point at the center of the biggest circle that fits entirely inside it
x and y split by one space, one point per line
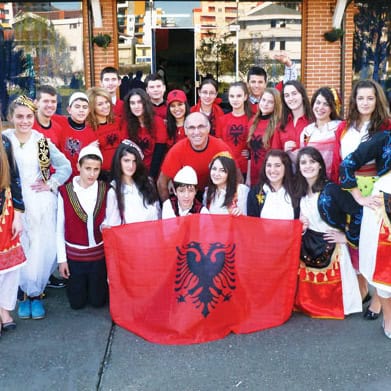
9 283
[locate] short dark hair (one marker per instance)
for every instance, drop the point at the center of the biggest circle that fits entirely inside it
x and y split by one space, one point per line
259 71
153 77
45 89
108 70
180 184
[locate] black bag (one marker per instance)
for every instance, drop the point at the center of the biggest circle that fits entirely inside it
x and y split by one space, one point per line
315 251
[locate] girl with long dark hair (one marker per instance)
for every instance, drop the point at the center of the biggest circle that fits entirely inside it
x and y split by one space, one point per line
133 195
224 195
146 129
261 130
321 133
273 196
327 284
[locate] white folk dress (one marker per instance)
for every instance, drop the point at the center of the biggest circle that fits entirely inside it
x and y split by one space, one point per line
350 291
39 219
369 236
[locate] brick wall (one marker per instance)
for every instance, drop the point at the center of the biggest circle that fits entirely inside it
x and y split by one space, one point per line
322 60
100 57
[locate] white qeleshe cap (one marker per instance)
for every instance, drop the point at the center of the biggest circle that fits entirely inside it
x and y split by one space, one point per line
187 176
76 96
90 150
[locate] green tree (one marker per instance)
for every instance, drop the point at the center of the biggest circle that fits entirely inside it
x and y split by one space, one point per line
216 57
13 66
372 39
49 51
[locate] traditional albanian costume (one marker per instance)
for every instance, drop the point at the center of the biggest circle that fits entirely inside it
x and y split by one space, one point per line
375 238
327 286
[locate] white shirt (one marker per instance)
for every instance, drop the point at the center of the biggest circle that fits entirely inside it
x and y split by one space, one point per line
278 204
316 134
352 139
216 207
168 211
135 210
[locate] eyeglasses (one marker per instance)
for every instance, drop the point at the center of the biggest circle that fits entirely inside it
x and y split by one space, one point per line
208 93
192 128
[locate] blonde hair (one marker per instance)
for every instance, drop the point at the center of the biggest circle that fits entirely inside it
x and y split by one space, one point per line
92 94
273 121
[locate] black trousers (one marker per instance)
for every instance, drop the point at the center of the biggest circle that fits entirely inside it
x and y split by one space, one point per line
87 284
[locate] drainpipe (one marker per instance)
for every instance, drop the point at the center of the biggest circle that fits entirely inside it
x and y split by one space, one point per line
342 68
91 46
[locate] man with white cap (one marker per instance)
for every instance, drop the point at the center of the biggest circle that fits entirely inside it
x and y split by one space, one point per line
81 210
75 134
183 201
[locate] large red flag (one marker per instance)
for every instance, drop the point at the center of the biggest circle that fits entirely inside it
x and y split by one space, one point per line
197 278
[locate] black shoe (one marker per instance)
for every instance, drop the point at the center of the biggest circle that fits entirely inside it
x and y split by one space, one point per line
56 283
370 315
366 298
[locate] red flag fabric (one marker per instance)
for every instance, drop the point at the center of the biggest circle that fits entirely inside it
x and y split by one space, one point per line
197 278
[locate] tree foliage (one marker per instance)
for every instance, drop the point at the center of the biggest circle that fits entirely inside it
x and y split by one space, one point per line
49 50
216 57
372 39
13 66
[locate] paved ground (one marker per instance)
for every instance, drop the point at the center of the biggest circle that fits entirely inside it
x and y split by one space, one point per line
81 350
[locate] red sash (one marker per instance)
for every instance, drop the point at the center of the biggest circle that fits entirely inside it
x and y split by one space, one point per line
11 252
382 273
319 291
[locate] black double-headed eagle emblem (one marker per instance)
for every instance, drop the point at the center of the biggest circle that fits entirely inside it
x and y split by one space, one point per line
205 278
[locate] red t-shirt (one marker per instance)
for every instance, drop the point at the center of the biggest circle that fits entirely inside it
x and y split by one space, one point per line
182 154
257 149
72 141
109 137
234 131
180 135
161 110
118 108
52 131
147 141
254 107
291 133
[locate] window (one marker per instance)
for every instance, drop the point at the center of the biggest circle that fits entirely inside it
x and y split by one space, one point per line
50 42
282 45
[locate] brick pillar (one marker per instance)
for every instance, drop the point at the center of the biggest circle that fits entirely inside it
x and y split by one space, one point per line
322 60
94 56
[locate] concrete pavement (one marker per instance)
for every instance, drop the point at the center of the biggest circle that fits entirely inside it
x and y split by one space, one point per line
81 350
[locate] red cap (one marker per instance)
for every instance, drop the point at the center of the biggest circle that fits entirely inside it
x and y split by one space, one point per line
176 95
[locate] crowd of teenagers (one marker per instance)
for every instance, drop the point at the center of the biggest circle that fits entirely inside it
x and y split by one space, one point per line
276 155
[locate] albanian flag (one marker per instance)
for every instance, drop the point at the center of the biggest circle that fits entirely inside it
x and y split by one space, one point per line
197 278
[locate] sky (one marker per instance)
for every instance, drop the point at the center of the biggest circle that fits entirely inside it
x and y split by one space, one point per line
177 7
